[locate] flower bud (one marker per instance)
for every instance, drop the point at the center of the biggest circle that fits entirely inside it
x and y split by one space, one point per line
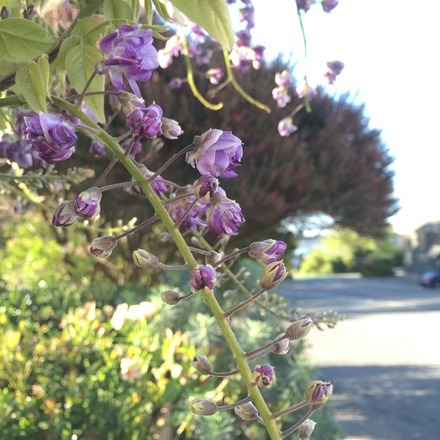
247 411
305 430
267 251
203 407
264 375
87 202
103 246
170 297
318 392
65 215
282 347
205 187
203 276
128 102
143 258
298 329
201 364
273 275
171 128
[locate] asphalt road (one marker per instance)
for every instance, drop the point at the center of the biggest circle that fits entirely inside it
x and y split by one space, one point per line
383 359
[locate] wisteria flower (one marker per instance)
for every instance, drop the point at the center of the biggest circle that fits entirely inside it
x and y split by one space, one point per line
146 121
20 152
130 53
286 127
65 215
52 138
267 251
171 128
224 216
192 219
87 203
264 375
216 152
203 276
334 68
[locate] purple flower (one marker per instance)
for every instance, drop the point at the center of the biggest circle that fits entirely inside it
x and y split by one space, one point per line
20 152
334 68
247 15
158 185
264 375
171 128
205 187
329 5
192 219
175 83
224 216
51 137
87 203
216 152
98 149
273 275
146 121
203 276
281 96
65 215
286 127
135 148
304 5
318 392
130 53
267 251
283 79
214 75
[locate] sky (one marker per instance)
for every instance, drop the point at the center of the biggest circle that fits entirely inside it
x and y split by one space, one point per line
391 53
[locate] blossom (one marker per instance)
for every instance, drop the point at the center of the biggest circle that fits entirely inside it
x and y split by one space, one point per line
264 375
267 251
98 149
329 5
178 208
216 152
304 5
203 276
130 53
65 215
20 152
52 138
334 68
286 127
318 392
214 75
282 79
224 216
171 128
87 203
205 187
281 96
273 275
145 121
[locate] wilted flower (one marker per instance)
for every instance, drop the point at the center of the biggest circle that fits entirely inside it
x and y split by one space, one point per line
145 121
286 127
103 246
201 363
130 53
143 258
171 128
267 251
51 137
273 275
205 187
216 152
264 375
130 370
305 430
203 276
65 215
224 216
299 329
87 203
203 407
318 392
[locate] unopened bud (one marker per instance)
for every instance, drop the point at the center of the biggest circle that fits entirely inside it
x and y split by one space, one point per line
298 329
129 102
247 411
318 392
201 364
171 128
103 246
143 258
267 251
65 215
282 347
273 275
203 407
170 297
305 430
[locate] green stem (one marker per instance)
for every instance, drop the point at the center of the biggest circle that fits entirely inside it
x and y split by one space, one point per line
290 409
207 295
238 87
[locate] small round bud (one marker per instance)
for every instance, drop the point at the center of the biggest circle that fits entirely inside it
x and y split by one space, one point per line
143 258
203 407
171 128
170 297
273 275
305 430
267 251
65 215
264 375
318 392
102 247
298 329
247 411
201 364
282 347
87 203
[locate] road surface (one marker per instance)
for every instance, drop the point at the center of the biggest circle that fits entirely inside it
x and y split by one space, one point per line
384 358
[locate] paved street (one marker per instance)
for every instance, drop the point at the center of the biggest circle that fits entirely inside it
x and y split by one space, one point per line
384 358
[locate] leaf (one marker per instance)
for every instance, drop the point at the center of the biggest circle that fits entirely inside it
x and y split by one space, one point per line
212 15
88 29
11 3
80 65
22 40
68 43
32 82
128 9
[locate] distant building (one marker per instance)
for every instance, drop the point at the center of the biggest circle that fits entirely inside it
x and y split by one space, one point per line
422 249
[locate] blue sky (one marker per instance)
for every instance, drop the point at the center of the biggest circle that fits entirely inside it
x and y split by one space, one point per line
390 50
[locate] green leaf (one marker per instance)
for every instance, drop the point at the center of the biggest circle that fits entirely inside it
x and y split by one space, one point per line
32 81
121 9
22 40
80 65
12 3
89 29
148 8
212 15
68 43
